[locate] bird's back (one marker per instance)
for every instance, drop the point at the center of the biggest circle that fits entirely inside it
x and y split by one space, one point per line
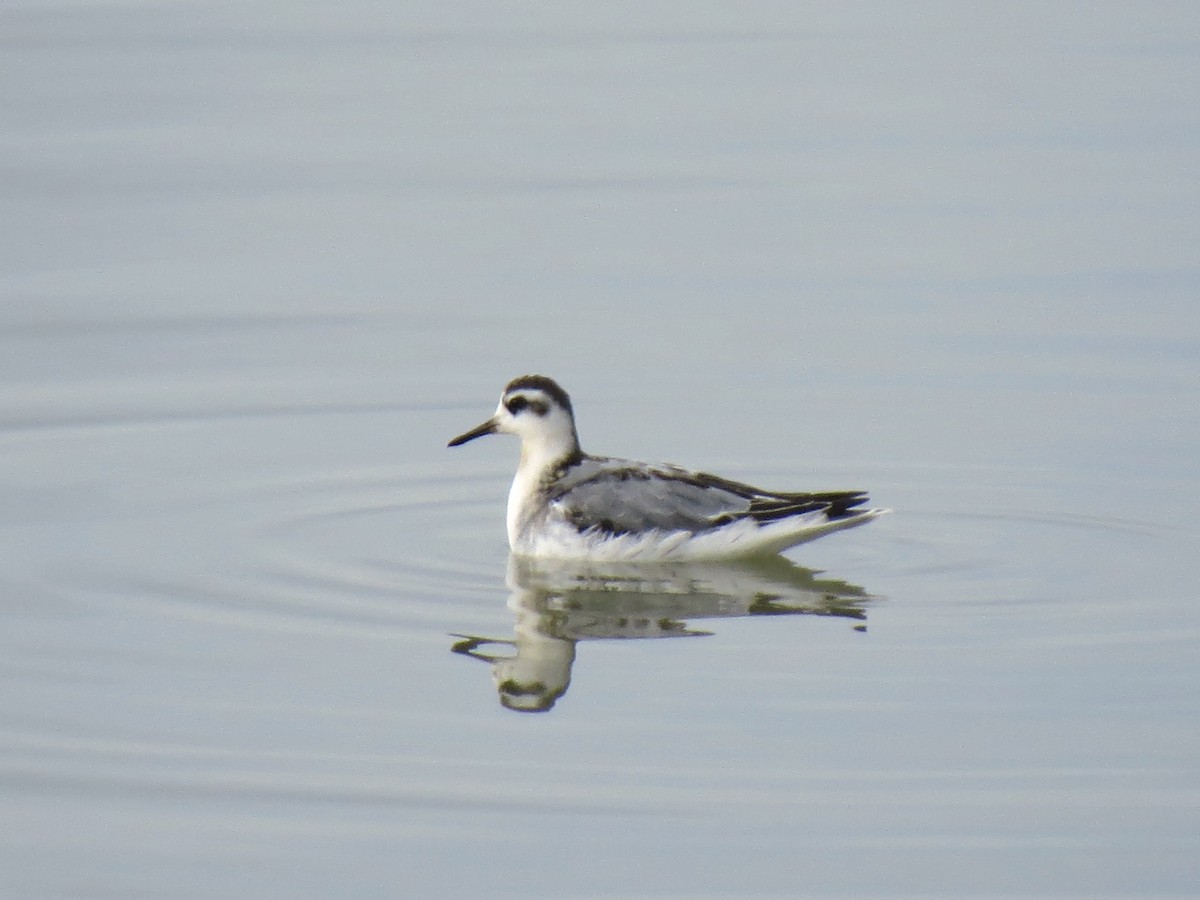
619 507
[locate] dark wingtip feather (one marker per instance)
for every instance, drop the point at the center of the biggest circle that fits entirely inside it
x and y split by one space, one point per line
835 504
846 504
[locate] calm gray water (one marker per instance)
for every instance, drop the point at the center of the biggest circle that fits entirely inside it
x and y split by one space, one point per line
261 260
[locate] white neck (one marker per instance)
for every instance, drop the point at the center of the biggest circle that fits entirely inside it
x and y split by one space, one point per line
538 459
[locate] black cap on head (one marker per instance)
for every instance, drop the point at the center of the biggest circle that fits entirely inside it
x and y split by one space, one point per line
547 385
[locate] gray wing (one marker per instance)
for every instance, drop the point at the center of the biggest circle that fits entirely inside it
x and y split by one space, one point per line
617 497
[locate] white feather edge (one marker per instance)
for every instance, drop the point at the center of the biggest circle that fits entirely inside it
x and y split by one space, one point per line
739 539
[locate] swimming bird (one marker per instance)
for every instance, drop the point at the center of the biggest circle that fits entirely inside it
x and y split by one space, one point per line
565 503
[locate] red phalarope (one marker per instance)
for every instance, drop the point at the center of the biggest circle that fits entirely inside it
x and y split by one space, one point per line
569 504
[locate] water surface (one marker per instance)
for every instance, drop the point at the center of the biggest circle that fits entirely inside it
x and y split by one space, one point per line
262 637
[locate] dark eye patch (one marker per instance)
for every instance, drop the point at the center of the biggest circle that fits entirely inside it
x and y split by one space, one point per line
515 404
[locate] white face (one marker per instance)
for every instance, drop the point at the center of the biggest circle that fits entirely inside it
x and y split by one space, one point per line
530 413
534 415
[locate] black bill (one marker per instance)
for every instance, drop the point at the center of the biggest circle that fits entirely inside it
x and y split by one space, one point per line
488 427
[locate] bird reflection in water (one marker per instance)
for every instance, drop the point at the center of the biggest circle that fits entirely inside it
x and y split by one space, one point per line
559 604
